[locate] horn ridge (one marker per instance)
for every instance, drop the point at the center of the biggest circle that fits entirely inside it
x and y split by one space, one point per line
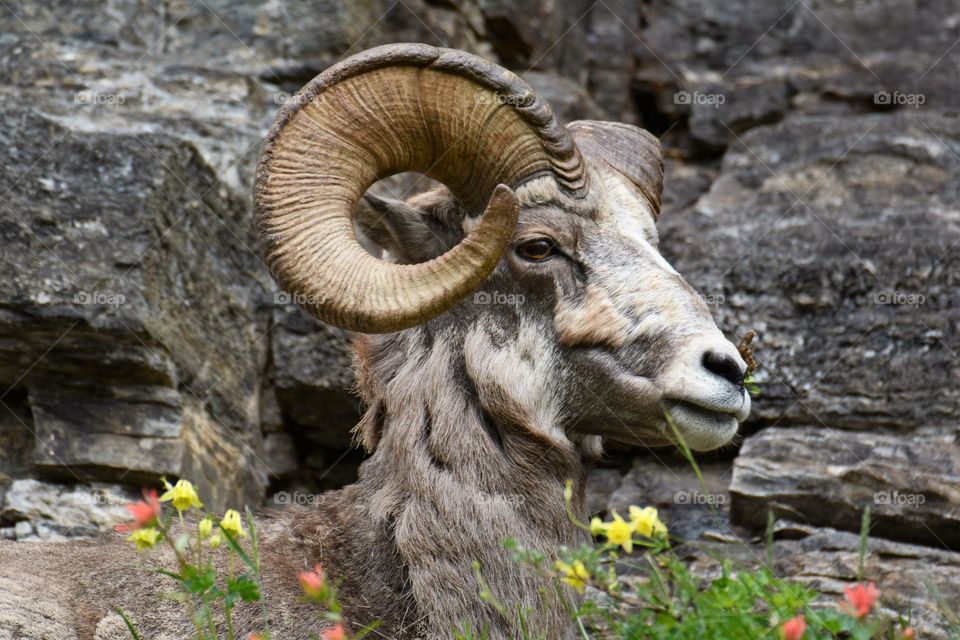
465 122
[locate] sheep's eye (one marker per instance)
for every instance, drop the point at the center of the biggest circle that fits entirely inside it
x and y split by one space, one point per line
536 250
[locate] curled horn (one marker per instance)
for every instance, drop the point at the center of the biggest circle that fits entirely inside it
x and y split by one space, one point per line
628 150
452 116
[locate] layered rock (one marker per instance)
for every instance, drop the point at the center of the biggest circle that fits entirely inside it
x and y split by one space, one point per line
832 237
126 321
828 477
720 70
49 511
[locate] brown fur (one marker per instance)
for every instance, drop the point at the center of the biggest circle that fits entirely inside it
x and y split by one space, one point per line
437 494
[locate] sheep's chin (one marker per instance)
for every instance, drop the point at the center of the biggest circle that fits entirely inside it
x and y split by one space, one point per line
702 429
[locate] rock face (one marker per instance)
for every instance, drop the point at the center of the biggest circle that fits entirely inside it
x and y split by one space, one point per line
811 194
828 477
832 237
826 219
120 347
747 63
54 511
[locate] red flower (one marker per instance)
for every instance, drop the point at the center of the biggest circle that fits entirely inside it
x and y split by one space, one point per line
337 633
255 636
909 634
861 598
144 513
313 582
794 627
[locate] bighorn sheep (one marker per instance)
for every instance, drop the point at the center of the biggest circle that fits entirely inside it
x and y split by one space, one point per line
498 350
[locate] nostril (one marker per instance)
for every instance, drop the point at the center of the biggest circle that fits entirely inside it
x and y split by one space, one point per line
724 366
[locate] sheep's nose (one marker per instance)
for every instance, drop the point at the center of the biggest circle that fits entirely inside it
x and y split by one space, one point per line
725 366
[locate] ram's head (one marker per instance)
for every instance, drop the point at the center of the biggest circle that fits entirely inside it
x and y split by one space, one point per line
540 252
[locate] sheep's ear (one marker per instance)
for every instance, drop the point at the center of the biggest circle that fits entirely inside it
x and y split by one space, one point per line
628 150
393 226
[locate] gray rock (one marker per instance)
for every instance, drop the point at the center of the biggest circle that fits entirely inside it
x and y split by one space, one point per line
59 509
601 484
684 183
144 325
568 100
280 454
827 477
22 530
16 440
771 58
313 376
719 113
832 237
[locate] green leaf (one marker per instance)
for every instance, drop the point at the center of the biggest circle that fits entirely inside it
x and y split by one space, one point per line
176 596
254 541
126 620
367 629
244 587
231 541
196 581
169 574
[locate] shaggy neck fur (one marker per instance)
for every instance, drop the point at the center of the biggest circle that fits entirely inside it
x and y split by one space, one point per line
469 452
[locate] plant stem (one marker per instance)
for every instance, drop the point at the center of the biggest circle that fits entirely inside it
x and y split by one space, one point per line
229 616
227 607
181 563
255 549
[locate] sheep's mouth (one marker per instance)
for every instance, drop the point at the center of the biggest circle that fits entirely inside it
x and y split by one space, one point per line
698 410
703 428
705 423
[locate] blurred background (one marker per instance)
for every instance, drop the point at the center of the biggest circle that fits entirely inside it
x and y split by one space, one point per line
812 155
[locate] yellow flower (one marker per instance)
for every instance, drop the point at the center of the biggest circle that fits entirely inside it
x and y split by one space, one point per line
575 575
231 524
215 541
204 527
144 538
646 522
597 526
183 495
620 532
